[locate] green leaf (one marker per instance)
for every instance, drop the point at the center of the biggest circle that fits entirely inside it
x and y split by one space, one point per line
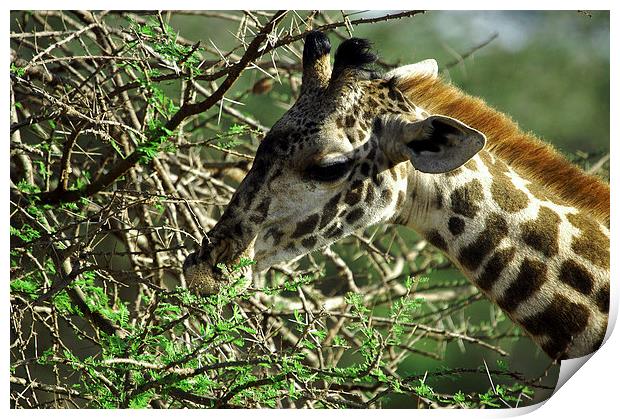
26 233
243 262
18 71
459 397
26 187
247 329
26 286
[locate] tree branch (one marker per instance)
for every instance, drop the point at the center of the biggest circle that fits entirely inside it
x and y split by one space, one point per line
253 52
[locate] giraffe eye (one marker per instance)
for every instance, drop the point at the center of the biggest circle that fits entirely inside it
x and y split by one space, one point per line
329 171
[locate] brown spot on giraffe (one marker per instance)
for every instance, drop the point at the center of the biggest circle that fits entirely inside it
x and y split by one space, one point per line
386 195
373 103
361 134
503 190
354 215
439 199
276 234
532 275
456 225
349 121
392 95
591 244
436 239
371 154
393 173
329 211
256 219
576 275
402 170
354 195
290 247
561 321
309 242
494 268
542 233
602 299
506 195
472 255
487 160
306 227
365 168
466 199
261 211
370 193
334 231
493 163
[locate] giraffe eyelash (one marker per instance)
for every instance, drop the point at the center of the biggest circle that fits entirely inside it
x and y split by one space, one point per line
329 171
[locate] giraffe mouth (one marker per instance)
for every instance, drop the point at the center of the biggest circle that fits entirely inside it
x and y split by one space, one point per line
200 276
203 274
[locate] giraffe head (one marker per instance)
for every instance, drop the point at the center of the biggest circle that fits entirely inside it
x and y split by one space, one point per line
337 161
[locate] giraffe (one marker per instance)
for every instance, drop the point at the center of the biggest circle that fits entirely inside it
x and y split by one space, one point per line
359 148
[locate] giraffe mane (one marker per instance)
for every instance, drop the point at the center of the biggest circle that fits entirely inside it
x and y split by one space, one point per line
526 153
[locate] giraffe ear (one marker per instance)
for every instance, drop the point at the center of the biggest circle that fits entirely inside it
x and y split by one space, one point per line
437 144
427 68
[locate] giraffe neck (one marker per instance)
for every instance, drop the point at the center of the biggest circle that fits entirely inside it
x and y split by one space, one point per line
545 264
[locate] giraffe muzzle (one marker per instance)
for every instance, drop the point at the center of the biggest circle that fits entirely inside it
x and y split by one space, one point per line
201 270
200 275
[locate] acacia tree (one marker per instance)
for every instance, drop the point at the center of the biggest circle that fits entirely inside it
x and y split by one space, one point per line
126 144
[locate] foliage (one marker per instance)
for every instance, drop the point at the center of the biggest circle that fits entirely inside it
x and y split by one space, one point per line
114 174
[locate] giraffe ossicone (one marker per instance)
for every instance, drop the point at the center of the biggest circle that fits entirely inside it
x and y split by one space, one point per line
359 148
